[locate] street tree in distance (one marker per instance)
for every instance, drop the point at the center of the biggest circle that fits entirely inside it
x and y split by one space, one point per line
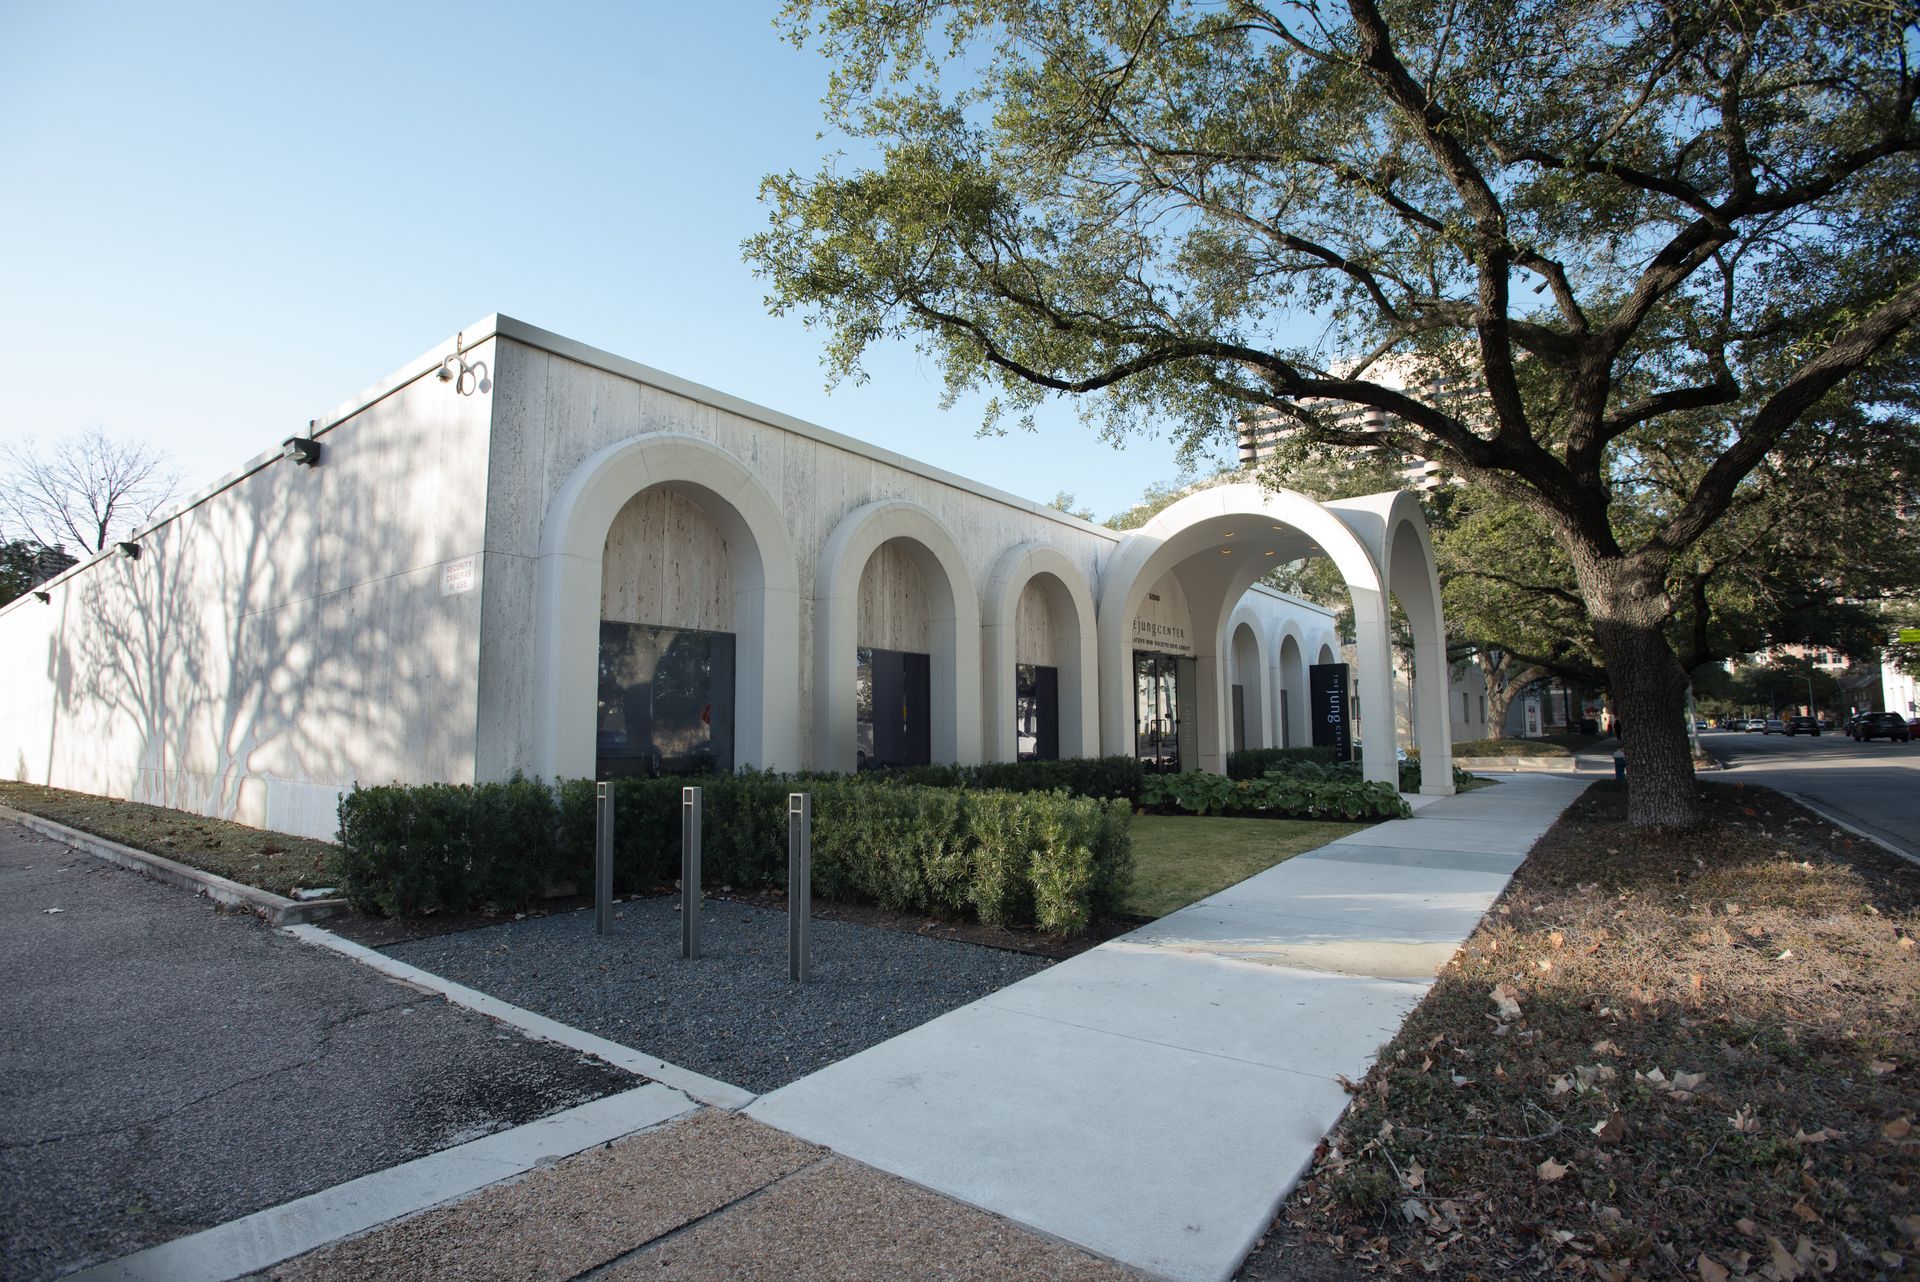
86 491
1619 223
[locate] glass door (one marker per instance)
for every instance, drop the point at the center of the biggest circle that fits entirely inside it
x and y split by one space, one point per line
1156 718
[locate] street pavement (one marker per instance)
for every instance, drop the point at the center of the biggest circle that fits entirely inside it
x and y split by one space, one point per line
166 1067
1874 786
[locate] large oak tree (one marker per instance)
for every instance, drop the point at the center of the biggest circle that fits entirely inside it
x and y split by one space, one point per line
1619 224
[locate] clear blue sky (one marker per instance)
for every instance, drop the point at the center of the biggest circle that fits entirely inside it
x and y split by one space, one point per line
221 220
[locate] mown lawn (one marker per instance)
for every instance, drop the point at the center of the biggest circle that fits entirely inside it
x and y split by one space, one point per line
1181 858
273 861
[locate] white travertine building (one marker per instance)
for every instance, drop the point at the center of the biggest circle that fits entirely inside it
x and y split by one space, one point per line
522 554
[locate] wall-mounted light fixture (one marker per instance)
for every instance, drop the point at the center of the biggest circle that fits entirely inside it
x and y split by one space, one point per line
466 378
46 598
303 450
129 549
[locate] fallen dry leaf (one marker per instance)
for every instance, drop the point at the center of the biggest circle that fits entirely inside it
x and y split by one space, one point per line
1612 1129
1744 1121
1881 1067
1414 1176
1688 1081
1557 938
1710 1271
1506 1001
1806 1213
1605 1048
1898 1129
1782 1267
1550 1170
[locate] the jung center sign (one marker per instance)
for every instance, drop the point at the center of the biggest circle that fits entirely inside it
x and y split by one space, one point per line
1332 716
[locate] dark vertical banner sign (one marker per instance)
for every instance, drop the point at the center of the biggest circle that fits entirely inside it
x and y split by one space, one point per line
1332 717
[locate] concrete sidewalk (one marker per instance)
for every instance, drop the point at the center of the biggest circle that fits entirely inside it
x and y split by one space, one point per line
1154 1099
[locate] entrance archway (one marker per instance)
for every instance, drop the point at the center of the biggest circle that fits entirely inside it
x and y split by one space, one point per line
1219 542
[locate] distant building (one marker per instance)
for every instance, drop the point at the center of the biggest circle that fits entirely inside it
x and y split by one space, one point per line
1262 435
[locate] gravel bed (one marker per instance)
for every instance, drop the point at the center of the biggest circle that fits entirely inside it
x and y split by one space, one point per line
733 1014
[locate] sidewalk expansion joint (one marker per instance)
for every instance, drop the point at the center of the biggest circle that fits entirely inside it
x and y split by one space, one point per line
679 1230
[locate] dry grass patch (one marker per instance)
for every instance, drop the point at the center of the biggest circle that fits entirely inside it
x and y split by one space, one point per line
1685 1054
272 861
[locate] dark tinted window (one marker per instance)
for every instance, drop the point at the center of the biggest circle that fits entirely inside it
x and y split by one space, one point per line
1036 712
893 693
666 701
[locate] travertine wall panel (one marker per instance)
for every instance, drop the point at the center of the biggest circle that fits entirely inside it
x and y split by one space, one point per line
1034 636
277 640
893 602
667 565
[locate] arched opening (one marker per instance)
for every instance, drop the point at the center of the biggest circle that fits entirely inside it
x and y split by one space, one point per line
605 546
1250 704
1291 706
1394 529
667 689
1216 544
896 643
1039 648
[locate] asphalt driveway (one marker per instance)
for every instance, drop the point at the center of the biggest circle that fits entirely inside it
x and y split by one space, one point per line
165 1067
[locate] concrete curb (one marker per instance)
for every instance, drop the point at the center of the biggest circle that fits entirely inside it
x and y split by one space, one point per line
259 1241
277 909
706 1089
1844 826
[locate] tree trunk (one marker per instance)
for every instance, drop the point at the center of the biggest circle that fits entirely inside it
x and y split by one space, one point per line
1649 687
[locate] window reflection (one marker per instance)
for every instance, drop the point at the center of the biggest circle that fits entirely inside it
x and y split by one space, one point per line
892 699
666 701
1036 712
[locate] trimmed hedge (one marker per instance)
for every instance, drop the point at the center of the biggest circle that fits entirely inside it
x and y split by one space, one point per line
1253 763
1306 792
1119 776
411 849
1043 859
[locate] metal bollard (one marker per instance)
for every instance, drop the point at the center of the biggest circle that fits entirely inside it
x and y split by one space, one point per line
690 895
602 857
1619 766
799 882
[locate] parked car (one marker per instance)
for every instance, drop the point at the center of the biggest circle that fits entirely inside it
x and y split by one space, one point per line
1756 723
1773 725
1804 725
1882 725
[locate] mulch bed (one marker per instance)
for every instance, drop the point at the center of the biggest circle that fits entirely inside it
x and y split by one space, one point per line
1666 1054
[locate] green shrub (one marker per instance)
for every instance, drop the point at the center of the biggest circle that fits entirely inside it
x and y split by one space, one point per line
1291 794
1044 859
407 850
1117 776
1252 763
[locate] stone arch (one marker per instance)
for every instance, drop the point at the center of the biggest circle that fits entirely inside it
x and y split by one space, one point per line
1290 681
953 618
567 585
1077 640
1396 530
1253 664
1270 525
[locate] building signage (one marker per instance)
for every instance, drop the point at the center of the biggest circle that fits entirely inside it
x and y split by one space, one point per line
1162 624
459 576
1332 711
1908 636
